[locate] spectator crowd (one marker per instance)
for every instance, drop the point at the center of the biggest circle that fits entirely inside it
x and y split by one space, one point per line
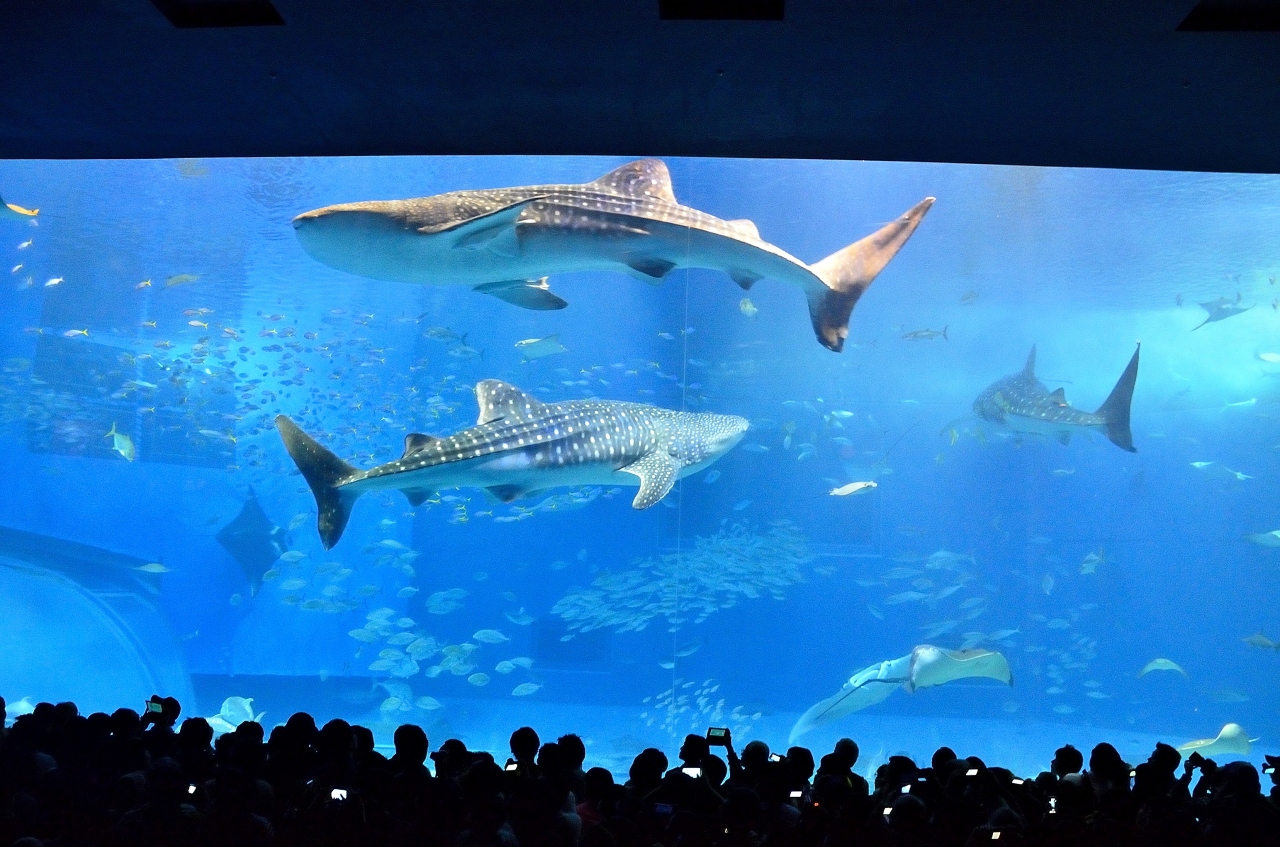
147 779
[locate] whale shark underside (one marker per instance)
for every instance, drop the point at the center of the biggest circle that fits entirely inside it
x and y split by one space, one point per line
506 241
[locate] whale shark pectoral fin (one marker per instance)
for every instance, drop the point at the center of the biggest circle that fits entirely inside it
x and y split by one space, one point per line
641 178
495 232
416 496
532 294
657 472
650 269
416 442
506 493
498 400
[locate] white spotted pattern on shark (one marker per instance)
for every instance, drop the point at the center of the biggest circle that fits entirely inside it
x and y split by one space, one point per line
521 445
506 241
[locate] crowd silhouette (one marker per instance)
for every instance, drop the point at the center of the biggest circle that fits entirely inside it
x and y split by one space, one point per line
146 779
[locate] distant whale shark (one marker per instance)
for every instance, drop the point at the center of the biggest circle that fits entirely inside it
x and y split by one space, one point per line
520 446
505 241
1022 403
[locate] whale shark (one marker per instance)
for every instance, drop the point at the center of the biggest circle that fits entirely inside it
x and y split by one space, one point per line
1023 404
521 446
506 242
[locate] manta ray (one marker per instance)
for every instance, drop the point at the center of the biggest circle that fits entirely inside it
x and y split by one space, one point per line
506 241
520 446
1023 404
253 541
924 667
1220 310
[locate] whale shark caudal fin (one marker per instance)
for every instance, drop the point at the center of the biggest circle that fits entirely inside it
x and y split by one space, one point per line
323 471
847 273
1115 411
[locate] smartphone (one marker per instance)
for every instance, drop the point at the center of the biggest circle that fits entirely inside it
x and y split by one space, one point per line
511 767
717 735
153 706
796 795
338 794
663 808
1268 769
693 772
1132 774
971 772
1053 805
1017 781
774 757
888 810
191 789
995 836
906 789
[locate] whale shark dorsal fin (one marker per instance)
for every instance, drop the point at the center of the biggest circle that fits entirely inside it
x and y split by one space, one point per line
1029 369
657 472
1059 396
745 228
416 442
500 400
641 178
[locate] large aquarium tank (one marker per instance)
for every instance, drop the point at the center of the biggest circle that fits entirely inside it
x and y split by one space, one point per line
584 444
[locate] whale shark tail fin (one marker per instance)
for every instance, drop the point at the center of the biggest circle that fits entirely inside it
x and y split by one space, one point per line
1115 411
846 273
323 471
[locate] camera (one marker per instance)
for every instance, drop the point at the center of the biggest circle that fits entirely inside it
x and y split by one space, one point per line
154 706
971 772
774 757
796 795
663 808
717 735
693 772
1268 769
512 767
191 789
338 794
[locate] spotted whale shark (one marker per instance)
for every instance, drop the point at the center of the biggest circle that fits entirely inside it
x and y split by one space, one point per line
521 446
1024 404
507 241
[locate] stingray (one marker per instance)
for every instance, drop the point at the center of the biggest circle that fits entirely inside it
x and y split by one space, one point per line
1221 309
924 667
1231 741
253 541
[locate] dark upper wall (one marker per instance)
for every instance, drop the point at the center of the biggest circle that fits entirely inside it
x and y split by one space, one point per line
1093 82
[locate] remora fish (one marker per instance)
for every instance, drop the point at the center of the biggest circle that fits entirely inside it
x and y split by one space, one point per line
520 446
505 241
1024 404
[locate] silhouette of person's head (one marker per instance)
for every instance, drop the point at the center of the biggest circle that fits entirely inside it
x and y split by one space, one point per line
800 763
647 769
599 785
942 757
572 750
755 755
714 770
1066 759
1164 758
195 733
1105 761
550 760
846 752
302 727
4 716
694 749
411 744
364 739
524 744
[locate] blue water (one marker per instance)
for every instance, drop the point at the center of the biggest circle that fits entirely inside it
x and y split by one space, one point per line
1080 263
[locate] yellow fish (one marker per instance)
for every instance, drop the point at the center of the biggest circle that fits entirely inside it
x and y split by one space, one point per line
180 279
747 307
18 210
72 333
146 283
200 324
122 444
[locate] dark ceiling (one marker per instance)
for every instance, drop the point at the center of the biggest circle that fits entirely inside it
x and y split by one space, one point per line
1095 82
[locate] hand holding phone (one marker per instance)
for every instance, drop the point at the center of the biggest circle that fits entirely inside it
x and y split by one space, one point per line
718 736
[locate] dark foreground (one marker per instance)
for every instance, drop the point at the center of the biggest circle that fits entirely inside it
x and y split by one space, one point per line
122 779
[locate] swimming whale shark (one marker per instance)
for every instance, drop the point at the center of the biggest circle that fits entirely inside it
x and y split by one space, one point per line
1022 403
506 241
521 446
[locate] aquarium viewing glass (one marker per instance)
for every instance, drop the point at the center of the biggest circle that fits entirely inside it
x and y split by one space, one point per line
1032 500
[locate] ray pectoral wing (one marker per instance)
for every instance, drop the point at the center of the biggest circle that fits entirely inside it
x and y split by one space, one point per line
658 472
